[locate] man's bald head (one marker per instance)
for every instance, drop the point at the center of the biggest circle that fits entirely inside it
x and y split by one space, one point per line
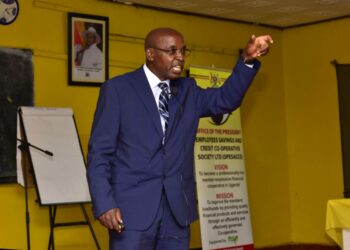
164 50
153 38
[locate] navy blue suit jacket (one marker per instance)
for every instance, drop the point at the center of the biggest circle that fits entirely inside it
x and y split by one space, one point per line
128 166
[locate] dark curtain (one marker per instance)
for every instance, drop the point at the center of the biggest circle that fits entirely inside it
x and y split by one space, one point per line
16 89
343 76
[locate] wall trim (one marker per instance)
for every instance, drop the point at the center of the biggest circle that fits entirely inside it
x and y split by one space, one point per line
294 246
301 246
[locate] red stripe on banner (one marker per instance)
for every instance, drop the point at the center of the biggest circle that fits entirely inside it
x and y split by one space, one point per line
77 35
244 247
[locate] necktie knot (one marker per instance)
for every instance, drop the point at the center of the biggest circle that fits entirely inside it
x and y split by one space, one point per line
164 87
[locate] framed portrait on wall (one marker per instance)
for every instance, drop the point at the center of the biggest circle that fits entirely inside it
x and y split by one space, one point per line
87 49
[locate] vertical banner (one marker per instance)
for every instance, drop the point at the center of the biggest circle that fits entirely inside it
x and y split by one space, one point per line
220 174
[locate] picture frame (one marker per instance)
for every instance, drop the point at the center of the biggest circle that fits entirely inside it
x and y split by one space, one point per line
87 49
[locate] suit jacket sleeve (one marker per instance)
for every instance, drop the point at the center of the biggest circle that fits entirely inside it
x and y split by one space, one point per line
214 101
102 147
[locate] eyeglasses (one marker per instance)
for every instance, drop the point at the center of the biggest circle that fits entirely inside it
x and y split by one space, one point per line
174 51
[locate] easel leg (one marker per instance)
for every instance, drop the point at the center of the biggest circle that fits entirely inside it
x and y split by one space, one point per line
27 210
52 214
90 226
24 154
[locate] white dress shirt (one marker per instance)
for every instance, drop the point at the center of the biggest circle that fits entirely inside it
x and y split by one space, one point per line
153 81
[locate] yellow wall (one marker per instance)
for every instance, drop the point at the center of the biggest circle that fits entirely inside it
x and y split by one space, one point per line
42 27
313 130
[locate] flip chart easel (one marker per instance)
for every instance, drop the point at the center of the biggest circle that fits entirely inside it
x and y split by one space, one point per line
50 138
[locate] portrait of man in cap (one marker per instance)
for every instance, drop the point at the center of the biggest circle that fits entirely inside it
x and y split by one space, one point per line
89 55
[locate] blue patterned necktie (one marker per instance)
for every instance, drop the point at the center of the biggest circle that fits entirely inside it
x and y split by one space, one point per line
163 103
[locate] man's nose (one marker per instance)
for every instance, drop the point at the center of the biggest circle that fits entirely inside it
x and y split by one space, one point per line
179 55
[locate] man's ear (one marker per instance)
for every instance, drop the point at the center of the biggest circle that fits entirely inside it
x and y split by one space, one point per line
149 54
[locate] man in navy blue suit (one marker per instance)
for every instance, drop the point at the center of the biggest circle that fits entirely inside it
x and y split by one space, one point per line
140 159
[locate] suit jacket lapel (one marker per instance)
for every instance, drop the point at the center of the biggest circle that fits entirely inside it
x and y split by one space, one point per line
142 88
173 108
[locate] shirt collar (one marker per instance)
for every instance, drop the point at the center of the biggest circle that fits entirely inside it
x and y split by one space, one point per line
153 80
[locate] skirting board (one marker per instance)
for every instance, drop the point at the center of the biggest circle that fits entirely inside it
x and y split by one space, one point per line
296 247
301 247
